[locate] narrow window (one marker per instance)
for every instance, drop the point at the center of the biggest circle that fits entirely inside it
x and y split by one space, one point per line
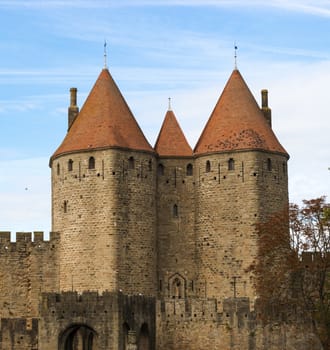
284 168
269 164
160 169
208 166
70 165
150 165
91 163
177 288
58 168
65 206
189 169
231 164
131 163
175 211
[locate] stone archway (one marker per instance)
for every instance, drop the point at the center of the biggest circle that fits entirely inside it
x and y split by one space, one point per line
78 337
144 338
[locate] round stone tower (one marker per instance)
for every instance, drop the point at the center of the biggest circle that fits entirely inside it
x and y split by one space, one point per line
241 178
103 197
175 208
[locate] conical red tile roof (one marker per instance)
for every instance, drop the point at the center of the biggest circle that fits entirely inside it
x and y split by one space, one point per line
237 123
171 140
104 121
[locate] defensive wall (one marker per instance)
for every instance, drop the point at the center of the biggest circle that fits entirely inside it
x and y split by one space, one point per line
28 267
197 324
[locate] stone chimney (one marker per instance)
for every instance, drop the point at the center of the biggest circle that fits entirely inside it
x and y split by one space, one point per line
264 107
73 109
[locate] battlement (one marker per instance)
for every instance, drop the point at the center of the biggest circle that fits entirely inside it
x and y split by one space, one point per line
35 239
19 333
234 310
90 301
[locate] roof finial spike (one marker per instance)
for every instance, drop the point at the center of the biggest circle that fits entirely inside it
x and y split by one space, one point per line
169 104
235 56
105 54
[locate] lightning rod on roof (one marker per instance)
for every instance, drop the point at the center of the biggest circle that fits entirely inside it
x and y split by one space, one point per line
105 54
169 104
235 55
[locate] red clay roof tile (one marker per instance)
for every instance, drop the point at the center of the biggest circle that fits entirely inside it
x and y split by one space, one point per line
171 140
237 123
104 121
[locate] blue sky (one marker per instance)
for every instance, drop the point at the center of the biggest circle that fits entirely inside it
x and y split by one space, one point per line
157 49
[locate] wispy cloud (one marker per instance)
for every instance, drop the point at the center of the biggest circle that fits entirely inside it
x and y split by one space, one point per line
293 52
318 8
50 76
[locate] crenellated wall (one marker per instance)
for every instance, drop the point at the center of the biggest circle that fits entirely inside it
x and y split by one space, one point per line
19 334
113 319
27 269
198 324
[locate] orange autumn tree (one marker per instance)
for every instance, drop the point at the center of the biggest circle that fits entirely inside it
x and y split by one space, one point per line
310 238
293 262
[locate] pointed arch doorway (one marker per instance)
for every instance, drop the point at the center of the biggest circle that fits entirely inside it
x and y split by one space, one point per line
78 337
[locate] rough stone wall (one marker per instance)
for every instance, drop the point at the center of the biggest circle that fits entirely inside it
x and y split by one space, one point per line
27 269
19 334
112 317
233 192
197 324
107 215
272 183
175 227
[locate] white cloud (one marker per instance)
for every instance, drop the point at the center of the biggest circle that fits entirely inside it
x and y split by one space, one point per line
313 7
44 75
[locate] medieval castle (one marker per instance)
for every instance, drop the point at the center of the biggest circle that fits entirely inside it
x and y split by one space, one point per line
150 246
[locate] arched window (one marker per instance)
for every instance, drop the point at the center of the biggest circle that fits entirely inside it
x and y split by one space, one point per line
58 169
189 170
160 169
78 337
91 163
175 211
177 285
231 164
208 166
143 339
126 330
269 164
131 163
70 165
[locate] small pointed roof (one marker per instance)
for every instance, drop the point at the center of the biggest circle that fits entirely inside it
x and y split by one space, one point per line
237 123
171 140
104 121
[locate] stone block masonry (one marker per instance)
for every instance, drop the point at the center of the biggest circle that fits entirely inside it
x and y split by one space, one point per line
27 269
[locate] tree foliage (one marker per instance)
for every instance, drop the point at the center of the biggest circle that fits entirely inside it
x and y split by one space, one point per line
310 239
293 262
